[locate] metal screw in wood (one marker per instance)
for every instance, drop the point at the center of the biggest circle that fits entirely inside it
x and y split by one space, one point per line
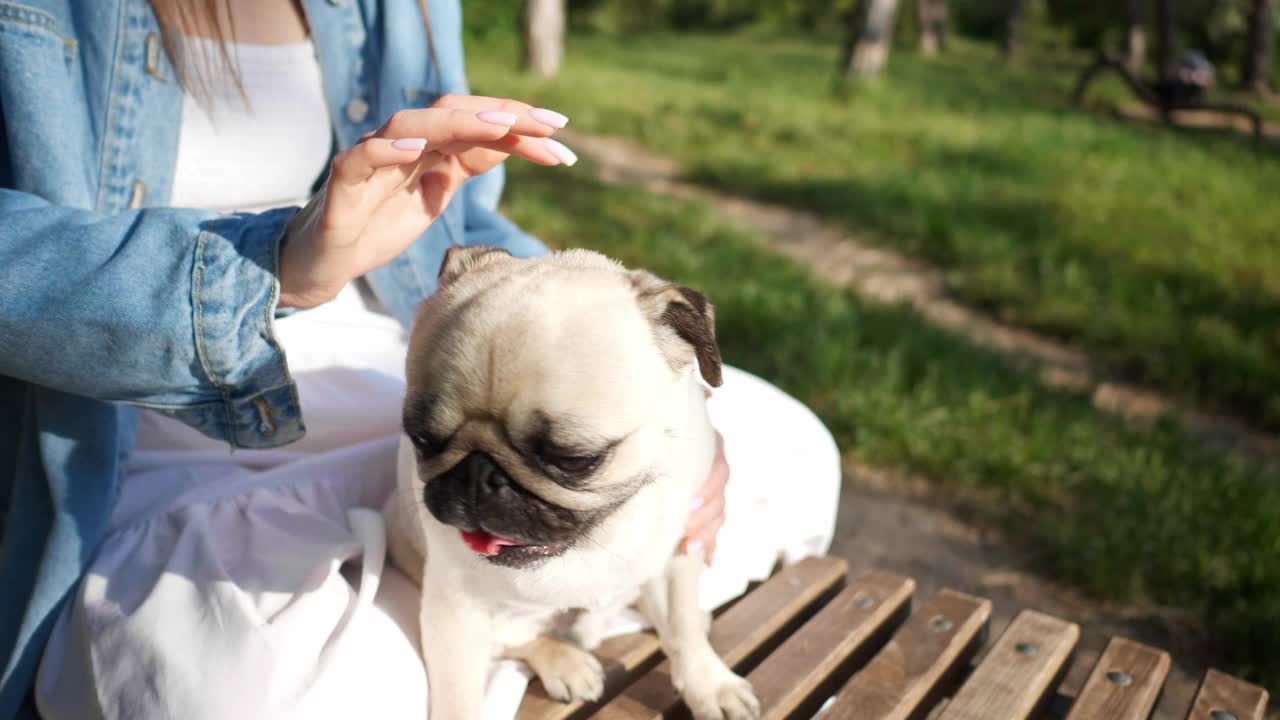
1120 678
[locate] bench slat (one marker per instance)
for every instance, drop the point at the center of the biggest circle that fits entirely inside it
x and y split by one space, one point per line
919 664
1019 673
752 623
623 658
811 664
1221 693
1124 685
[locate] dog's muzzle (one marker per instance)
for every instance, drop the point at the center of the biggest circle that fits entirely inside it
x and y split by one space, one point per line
498 518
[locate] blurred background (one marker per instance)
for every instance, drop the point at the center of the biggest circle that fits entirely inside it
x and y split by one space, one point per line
1041 316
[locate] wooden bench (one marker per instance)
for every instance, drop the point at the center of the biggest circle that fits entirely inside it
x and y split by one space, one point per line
1162 103
811 642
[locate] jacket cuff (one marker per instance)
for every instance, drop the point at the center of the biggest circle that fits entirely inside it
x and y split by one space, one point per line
234 292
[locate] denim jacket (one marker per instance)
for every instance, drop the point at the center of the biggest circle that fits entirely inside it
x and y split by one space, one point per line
110 300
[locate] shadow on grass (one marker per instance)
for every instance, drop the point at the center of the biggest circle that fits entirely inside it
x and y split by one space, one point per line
1214 344
1126 514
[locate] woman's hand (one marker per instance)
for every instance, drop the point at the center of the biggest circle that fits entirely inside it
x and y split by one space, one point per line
383 193
707 514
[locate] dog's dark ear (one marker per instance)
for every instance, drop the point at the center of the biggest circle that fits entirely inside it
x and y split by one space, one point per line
681 318
461 260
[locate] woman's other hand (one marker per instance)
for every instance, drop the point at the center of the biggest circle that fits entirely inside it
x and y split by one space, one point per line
706 517
383 193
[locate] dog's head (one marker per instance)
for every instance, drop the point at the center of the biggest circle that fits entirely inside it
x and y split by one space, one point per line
539 391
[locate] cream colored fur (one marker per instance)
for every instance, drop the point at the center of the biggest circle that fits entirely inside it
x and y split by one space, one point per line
505 339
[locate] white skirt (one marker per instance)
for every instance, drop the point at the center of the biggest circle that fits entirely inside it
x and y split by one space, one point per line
238 586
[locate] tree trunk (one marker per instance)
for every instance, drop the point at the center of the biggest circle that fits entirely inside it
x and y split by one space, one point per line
543 36
1135 36
869 33
933 25
1013 29
1166 36
1257 58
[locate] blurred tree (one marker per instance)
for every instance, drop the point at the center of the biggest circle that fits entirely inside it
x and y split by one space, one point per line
932 16
543 36
1166 37
1135 35
1013 29
868 33
1256 63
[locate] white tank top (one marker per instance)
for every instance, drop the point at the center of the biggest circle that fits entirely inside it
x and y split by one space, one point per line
347 356
266 153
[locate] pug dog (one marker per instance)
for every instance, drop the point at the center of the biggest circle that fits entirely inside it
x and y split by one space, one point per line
555 433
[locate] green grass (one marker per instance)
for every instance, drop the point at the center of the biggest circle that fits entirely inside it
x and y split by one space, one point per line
1158 251
1127 514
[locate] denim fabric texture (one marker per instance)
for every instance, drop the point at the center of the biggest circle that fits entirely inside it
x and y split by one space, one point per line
110 300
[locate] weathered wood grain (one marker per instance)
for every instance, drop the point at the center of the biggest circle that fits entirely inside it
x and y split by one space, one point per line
920 663
797 677
753 624
1229 698
1124 685
1019 673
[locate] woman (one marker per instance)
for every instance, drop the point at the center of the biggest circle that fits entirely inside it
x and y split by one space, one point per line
155 273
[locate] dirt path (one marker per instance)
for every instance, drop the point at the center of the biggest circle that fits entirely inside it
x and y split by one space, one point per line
879 527
885 276
1199 120
897 523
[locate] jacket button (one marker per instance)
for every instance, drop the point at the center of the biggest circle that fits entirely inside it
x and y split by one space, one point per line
336 3
357 110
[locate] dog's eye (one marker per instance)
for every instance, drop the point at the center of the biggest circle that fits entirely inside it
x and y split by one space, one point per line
426 445
575 465
567 463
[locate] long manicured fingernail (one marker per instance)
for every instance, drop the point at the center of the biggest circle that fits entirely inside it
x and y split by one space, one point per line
549 117
497 117
693 548
697 503
562 153
409 143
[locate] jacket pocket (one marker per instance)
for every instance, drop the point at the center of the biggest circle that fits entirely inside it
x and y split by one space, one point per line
22 25
44 107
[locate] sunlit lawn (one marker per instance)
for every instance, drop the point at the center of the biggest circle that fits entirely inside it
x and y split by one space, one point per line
1158 251
1073 233
1125 513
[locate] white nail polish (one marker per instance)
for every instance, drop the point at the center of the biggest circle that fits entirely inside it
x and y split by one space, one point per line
696 503
694 549
497 117
562 153
409 144
549 117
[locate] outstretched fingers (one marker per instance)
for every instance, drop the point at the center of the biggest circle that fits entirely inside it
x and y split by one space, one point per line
441 126
359 162
526 119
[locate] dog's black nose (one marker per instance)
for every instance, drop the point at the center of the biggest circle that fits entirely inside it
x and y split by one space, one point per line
484 474
469 490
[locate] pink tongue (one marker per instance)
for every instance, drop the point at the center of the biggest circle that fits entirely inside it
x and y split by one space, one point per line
484 543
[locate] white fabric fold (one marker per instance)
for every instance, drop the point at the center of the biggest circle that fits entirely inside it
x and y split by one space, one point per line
252 585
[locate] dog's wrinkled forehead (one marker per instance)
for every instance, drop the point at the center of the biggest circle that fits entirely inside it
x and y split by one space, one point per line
569 293
526 340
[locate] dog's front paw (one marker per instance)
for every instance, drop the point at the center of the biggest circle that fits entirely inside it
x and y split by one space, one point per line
567 671
587 629
720 695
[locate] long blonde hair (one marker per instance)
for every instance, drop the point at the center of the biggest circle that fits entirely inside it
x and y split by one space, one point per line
213 19
206 18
